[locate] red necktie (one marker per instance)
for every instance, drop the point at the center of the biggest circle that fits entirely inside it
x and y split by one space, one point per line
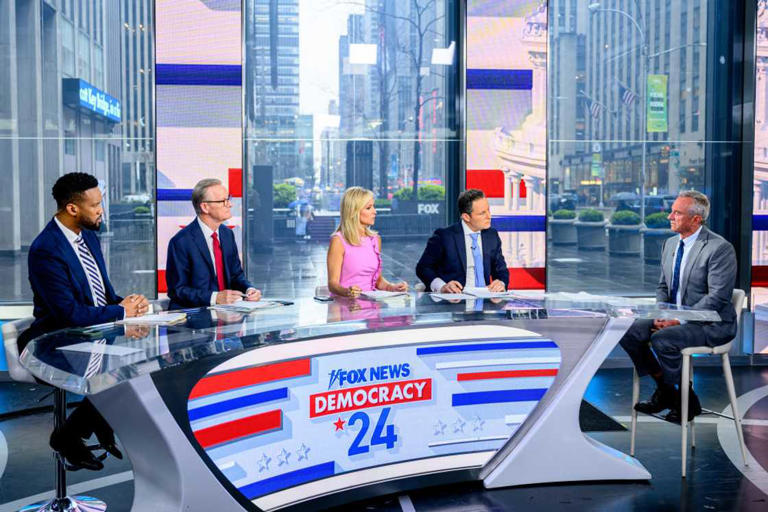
219 260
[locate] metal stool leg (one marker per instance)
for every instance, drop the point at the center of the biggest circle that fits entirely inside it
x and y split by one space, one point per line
635 398
61 502
734 404
684 385
692 424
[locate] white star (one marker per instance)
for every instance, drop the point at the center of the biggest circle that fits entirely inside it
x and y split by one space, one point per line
302 452
264 462
439 428
458 426
478 424
282 457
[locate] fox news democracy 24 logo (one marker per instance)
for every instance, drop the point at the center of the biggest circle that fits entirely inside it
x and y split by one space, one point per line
382 393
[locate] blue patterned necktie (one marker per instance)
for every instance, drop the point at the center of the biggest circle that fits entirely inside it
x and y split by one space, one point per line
92 272
676 273
478 257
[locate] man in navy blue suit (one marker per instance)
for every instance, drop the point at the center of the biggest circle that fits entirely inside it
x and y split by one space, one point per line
203 267
72 289
466 254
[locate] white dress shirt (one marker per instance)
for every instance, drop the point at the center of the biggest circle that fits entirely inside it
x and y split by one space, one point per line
72 239
469 280
688 246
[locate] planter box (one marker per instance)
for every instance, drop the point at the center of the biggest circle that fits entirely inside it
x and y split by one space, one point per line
591 235
653 240
563 231
624 240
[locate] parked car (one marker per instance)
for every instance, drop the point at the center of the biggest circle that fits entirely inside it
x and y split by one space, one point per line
565 201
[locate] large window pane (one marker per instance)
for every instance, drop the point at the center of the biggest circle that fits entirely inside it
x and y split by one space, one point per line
45 132
607 152
342 93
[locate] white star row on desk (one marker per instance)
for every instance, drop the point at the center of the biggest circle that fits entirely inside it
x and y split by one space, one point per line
459 425
283 456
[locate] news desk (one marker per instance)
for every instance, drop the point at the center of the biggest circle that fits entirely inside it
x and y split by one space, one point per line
318 404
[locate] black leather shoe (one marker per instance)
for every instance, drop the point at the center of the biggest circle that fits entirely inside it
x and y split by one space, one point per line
662 398
74 451
111 448
694 408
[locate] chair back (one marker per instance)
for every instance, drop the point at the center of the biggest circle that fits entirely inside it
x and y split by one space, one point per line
419 287
11 331
322 291
160 305
739 301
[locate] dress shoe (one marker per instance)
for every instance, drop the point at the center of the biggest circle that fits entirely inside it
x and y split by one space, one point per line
111 448
694 409
74 451
662 398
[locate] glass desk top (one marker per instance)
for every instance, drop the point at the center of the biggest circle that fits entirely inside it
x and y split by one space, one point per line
90 360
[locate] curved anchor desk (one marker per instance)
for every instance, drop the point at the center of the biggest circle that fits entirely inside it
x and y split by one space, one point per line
323 404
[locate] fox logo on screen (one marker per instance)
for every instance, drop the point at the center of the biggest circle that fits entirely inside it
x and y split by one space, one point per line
343 376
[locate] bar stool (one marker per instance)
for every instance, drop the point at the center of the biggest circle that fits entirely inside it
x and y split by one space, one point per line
738 301
60 502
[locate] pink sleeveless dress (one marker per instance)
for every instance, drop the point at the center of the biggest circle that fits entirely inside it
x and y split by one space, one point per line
361 265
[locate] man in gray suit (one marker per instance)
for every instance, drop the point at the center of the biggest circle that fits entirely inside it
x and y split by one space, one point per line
698 269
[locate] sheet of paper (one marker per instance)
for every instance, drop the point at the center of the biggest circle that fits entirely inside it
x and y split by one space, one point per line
100 348
251 306
484 293
381 294
156 319
452 296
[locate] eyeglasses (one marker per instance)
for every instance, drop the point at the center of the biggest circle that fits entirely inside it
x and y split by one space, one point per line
227 200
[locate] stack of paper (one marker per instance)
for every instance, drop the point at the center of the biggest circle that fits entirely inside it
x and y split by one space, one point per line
452 296
156 319
246 306
485 293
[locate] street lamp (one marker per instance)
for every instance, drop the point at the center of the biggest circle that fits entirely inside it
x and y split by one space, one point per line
595 8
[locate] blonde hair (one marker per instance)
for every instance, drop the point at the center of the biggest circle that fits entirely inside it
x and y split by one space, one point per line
352 202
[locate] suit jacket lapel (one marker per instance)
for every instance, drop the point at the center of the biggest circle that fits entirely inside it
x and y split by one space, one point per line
461 248
702 239
72 260
485 238
224 241
202 245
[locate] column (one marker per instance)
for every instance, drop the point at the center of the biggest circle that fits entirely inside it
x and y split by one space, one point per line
515 177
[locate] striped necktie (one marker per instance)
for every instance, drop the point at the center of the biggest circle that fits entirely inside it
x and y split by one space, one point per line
97 357
92 272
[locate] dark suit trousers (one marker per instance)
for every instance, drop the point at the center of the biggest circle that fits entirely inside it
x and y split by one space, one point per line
657 352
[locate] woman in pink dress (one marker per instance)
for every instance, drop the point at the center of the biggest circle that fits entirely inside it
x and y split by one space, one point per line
354 256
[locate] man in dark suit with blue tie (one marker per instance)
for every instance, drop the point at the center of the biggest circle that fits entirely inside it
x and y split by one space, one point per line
72 289
698 270
466 254
203 266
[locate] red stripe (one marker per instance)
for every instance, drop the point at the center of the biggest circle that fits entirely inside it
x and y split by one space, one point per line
759 275
506 374
232 430
235 181
162 286
250 376
527 278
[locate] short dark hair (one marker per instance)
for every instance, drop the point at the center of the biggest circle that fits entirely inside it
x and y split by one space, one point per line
468 197
70 188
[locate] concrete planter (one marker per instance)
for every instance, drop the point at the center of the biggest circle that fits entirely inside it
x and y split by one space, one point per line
591 235
624 240
563 231
653 240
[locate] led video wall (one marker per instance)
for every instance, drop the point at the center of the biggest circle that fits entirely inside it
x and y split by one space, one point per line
506 81
760 205
198 78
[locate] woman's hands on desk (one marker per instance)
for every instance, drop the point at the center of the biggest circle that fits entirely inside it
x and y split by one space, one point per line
353 291
402 286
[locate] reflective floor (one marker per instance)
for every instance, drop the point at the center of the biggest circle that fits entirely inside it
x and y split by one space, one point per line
716 478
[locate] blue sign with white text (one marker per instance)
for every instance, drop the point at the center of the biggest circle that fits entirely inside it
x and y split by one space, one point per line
81 93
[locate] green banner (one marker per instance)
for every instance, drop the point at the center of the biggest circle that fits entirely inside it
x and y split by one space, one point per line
656 104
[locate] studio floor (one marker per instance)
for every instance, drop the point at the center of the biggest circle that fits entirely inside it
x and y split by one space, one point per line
717 479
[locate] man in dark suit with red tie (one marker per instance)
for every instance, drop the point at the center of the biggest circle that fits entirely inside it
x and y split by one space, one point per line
72 289
203 266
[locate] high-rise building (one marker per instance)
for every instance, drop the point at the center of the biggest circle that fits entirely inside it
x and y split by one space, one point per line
60 108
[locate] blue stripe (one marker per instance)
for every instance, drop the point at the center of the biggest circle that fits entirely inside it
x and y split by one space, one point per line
280 482
496 397
506 79
484 346
760 223
199 74
174 194
519 223
237 403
